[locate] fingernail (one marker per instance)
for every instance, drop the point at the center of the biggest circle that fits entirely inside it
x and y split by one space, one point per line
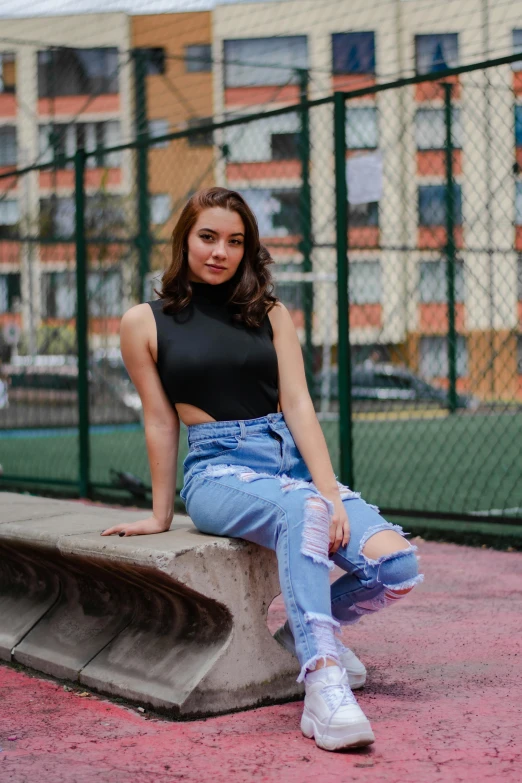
121 534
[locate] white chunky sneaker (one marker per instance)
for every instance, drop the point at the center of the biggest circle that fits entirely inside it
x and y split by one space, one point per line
331 714
355 668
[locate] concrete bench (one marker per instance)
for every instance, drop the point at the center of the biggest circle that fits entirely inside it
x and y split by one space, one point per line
175 621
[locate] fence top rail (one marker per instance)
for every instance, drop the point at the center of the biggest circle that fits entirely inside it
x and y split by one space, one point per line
144 140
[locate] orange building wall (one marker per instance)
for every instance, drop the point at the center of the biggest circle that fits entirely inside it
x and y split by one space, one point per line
492 362
429 91
354 81
432 163
487 378
75 104
176 96
93 178
250 96
8 105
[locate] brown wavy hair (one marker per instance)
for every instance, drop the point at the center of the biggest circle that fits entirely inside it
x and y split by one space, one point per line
251 286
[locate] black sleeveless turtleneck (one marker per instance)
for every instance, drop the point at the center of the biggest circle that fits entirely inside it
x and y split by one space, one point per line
207 359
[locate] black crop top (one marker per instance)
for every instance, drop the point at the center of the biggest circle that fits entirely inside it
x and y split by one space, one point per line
208 360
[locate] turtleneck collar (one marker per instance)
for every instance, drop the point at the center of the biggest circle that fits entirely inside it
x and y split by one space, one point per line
216 294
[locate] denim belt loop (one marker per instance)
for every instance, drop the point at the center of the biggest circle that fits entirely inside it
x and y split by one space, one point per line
242 430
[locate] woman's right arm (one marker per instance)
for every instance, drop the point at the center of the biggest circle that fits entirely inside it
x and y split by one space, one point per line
138 342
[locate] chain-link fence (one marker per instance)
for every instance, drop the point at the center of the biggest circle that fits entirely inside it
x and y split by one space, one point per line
435 305
412 349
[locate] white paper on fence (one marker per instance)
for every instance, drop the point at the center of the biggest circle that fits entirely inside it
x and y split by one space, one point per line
364 178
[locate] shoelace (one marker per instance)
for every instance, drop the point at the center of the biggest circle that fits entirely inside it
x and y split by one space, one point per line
332 692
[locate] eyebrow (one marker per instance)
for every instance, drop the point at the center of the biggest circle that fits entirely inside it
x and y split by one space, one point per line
211 230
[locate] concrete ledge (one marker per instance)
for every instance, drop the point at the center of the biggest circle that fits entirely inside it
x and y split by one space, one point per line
176 621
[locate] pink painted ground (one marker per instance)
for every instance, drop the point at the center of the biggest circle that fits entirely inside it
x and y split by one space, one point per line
444 698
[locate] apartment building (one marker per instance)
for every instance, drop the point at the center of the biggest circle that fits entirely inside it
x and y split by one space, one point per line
178 96
63 85
68 82
397 241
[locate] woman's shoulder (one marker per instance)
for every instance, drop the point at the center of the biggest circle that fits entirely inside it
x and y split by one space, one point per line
138 318
279 317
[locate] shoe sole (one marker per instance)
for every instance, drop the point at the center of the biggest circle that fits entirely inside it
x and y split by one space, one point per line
355 735
356 680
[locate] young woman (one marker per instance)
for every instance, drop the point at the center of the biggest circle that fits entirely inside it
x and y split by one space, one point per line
220 352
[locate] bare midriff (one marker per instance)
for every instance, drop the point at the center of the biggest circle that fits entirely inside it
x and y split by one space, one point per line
191 414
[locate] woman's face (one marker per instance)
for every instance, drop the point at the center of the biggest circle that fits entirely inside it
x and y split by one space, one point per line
216 245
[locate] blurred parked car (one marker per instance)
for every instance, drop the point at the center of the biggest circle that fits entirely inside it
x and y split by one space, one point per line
389 383
43 391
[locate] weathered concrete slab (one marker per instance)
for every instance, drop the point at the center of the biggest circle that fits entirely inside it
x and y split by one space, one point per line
24 508
27 593
175 620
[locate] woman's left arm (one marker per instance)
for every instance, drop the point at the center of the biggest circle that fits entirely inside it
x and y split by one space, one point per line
302 421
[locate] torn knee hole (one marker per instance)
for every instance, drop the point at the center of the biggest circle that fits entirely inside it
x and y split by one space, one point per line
383 543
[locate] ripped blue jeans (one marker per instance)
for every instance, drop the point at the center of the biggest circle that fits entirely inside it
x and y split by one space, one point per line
247 479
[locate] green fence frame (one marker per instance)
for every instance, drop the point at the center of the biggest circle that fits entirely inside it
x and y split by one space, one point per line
143 242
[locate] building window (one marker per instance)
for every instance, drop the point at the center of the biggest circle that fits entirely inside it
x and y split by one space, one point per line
284 146
433 283
432 205
159 128
290 293
87 135
437 52
8 154
360 215
198 58
273 61
104 290
353 53
203 139
273 138
57 216
111 134
277 211
154 59
430 129
517 48
10 292
362 131
518 204
77 72
365 282
9 217
104 215
160 208
434 357
7 72
58 294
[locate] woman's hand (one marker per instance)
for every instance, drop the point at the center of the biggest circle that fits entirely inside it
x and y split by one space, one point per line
143 527
339 526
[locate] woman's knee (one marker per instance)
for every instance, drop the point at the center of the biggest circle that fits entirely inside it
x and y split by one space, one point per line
400 571
394 560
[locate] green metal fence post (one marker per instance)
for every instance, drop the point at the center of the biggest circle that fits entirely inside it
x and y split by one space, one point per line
82 324
306 226
450 252
343 302
143 239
